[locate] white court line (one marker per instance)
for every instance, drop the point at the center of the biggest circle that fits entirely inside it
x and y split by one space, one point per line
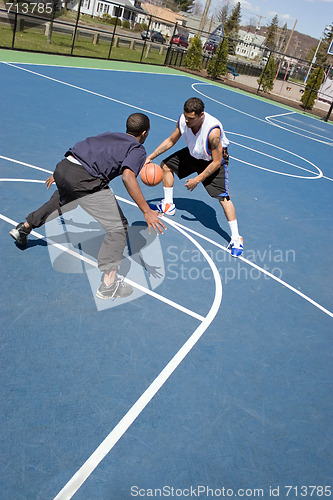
242 258
119 430
264 271
250 263
266 120
21 180
91 92
25 164
96 69
271 119
94 264
315 176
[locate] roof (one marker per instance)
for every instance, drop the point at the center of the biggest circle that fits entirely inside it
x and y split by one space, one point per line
162 13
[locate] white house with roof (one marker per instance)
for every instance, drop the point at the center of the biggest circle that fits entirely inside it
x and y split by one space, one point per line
251 45
161 19
126 10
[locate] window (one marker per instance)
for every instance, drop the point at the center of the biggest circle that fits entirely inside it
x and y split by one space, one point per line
117 12
102 8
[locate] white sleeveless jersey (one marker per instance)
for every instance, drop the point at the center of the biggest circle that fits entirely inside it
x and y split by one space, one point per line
198 143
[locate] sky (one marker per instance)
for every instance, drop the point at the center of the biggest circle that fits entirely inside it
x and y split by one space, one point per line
312 15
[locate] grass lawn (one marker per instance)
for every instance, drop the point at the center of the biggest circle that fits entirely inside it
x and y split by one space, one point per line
34 39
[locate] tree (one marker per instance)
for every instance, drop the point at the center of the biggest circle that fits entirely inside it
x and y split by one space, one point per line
184 5
222 14
270 41
231 27
267 77
193 59
311 89
323 58
283 39
232 24
218 64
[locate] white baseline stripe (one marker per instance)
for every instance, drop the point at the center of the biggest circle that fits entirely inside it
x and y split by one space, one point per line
94 264
119 430
91 92
21 180
26 164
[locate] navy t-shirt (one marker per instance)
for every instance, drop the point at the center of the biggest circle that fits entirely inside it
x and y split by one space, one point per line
107 155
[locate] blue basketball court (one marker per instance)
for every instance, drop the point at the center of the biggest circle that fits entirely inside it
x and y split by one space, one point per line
215 377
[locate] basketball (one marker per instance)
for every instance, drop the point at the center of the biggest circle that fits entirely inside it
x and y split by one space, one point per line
151 174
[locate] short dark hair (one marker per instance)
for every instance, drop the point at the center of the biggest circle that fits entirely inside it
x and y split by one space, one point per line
194 104
137 123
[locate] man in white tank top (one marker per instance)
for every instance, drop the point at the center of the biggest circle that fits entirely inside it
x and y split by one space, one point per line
206 155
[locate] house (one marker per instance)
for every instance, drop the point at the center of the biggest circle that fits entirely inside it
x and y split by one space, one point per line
193 25
250 45
160 19
126 10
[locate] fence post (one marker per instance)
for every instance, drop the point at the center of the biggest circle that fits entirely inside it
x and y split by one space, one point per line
168 54
145 41
76 25
14 29
329 112
113 34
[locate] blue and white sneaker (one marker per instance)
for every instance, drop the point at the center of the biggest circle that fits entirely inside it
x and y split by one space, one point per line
164 208
236 246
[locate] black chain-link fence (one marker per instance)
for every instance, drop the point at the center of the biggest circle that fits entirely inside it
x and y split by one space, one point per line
40 27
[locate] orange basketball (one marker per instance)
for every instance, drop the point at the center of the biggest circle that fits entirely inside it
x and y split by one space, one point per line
151 174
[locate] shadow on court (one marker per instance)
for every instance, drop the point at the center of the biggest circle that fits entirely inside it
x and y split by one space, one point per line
200 212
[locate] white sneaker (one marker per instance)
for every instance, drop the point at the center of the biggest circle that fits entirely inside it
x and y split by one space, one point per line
236 246
165 208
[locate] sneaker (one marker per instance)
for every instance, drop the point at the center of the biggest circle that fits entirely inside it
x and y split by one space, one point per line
118 289
20 234
164 208
236 246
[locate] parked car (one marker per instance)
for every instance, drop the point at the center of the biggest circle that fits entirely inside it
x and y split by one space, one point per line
210 46
154 36
179 40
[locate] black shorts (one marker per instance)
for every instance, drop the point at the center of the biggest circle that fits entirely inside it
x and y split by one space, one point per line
183 165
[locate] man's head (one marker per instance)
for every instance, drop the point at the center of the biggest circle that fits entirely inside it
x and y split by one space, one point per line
138 125
194 113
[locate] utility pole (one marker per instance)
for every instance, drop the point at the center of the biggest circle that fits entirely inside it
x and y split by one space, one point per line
204 17
285 50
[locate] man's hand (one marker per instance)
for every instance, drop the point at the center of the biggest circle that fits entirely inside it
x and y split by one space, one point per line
148 160
192 183
154 222
49 181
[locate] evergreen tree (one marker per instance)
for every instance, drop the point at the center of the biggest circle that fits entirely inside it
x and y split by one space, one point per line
193 58
231 28
267 77
270 41
311 89
218 64
233 22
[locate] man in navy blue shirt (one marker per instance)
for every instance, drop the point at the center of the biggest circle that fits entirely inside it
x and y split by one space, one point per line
82 178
